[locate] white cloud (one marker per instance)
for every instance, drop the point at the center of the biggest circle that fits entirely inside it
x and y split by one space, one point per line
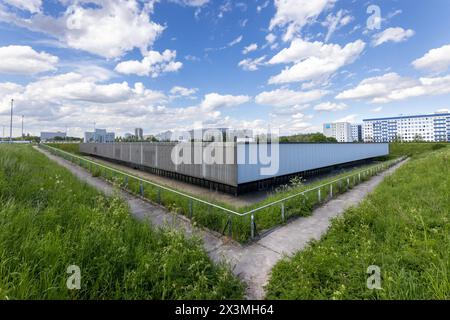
25 60
295 14
330 106
153 63
392 87
262 6
443 110
350 118
191 3
335 22
287 98
32 6
392 34
109 29
314 60
182 91
252 64
378 109
250 48
435 60
214 101
235 41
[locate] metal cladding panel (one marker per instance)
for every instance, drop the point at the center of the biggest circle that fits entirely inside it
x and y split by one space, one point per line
159 156
295 158
135 153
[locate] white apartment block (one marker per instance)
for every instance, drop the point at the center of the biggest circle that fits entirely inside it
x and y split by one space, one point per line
99 136
342 131
427 127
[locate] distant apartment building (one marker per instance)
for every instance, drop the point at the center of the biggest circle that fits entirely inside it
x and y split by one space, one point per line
357 133
139 133
99 136
51 136
427 127
341 131
164 136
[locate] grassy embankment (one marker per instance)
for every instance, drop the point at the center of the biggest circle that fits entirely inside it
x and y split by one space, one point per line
216 219
403 227
49 220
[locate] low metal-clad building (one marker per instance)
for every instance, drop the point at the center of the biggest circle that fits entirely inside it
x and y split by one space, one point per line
235 167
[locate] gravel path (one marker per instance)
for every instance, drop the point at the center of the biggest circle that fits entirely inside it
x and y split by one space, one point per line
252 263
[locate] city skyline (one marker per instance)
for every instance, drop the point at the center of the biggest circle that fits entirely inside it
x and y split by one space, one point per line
182 64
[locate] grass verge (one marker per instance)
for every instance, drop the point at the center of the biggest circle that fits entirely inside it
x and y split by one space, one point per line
49 220
403 227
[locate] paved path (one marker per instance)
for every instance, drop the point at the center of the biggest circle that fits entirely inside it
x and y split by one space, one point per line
252 263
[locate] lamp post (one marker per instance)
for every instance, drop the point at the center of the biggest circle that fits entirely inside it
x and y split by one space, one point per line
11 121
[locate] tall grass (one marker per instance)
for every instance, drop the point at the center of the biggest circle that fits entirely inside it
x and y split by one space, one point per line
49 220
403 227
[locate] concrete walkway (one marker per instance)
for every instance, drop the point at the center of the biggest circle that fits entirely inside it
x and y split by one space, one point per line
252 263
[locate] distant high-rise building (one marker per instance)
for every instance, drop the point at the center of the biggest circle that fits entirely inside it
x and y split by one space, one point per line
426 127
357 132
99 136
341 131
139 133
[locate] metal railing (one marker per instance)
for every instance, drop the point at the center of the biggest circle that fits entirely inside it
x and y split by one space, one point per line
287 206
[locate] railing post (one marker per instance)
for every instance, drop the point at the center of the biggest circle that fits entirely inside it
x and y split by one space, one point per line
126 182
348 183
159 196
331 191
282 212
230 227
359 177
252 226
190 208
141 188
319 196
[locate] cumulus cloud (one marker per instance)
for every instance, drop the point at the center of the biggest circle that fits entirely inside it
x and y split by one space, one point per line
25 60
153 64
252 64
109 29
250 48
314 60
182 91
295 14
330 106
392 87
392 35
286 97
214 101
435 60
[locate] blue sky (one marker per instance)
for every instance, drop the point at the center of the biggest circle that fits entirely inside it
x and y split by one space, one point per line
178 64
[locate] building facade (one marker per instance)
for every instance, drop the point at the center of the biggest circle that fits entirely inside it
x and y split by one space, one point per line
139 133
99 136
50 136
357 133
427 127
235 167
341 131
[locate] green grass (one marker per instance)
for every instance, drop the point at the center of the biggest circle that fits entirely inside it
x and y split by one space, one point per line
403 227
413 149
217 219
49 220
68 147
